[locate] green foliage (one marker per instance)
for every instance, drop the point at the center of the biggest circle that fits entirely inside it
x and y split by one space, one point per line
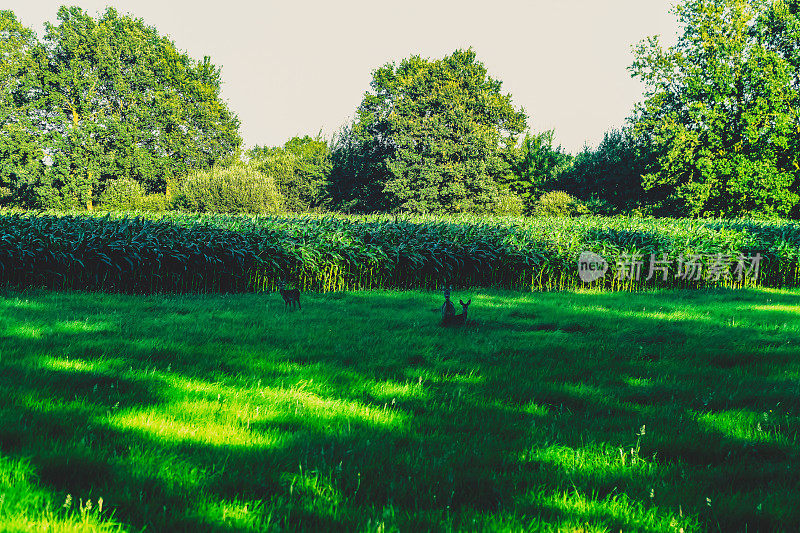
509 204
239 188
156 202
558 204
611 174
353 160
109 98
431 137
124 194
720 110
15 43
538 166
600 207
300 169
20 154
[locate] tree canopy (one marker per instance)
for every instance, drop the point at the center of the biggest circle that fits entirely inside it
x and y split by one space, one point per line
432 136
20 154
537 167
721 110
300 168
610 176
107 98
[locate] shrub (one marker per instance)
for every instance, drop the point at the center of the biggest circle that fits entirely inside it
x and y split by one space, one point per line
558 204
155 203
509 204
123 194
239 188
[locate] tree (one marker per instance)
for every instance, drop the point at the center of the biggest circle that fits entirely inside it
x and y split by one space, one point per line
538 166
300 169
721 110
20 154
612 173
431 137
110 98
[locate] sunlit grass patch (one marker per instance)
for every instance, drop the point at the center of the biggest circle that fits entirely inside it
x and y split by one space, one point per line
236 515
745 425
579 511
24 331
69 365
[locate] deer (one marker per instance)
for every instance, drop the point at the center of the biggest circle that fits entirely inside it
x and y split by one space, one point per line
459 319
290 296
448 309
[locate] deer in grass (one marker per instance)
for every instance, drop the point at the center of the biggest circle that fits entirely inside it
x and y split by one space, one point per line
459 319
448 309
290 296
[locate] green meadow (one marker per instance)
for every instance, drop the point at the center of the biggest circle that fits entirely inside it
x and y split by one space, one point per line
661 411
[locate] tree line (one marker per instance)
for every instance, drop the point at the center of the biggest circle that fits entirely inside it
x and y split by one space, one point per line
106 110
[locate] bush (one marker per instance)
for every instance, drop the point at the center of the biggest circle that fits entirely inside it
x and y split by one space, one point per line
155 203
123 194
509 204
558 204
237 189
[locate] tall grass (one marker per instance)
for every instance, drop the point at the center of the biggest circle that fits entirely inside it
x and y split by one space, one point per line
222 253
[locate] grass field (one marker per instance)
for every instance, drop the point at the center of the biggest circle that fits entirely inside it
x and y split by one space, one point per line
567 411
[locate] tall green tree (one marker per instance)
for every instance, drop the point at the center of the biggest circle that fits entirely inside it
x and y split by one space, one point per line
21 156
538 166
112 98
432 136
610 174
721 110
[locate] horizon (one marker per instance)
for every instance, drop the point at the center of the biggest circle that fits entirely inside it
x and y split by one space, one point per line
291 70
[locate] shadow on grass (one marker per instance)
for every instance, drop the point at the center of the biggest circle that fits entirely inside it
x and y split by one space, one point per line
543 397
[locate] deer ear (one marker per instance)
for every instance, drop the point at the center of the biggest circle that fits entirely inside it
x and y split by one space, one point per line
469 301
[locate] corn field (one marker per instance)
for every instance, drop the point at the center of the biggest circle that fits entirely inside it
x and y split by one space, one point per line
171 253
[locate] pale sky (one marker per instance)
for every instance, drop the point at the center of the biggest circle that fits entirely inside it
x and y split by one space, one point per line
295 68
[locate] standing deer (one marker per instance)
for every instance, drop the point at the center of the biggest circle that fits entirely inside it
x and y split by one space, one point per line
459 319
448 309
290 296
